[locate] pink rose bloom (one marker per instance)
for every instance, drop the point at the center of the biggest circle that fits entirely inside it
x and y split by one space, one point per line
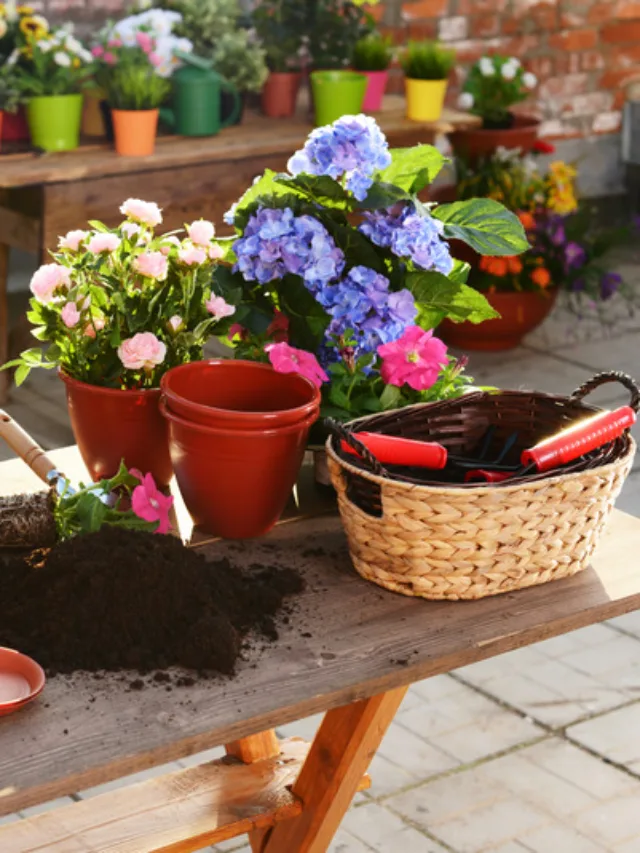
72 240
215 252
48 279
97 51
144 212
168 244
148 502
286 359
110 58
70 315
142 352
175 322
192 255
94 326
151 265
415 359
130 229
103 243
216 306
145 41
201 232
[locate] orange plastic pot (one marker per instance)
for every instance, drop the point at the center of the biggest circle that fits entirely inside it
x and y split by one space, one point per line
135 132
239 394
110 425
235 483
280 94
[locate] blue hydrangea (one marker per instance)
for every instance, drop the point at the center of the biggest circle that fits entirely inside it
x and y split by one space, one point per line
353 147
411 235
276 242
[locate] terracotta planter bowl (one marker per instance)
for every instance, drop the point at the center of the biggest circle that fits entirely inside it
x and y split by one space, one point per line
480 142
235 484
242 395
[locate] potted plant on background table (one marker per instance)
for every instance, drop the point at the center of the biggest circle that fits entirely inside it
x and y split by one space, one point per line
50 72
281 28
9 96
427 66
372 56
493 86
118 308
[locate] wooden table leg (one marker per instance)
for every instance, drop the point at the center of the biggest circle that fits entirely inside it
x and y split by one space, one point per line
346 741
5 375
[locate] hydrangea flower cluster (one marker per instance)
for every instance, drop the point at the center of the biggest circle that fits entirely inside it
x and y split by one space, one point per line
409 235
353 147
276 243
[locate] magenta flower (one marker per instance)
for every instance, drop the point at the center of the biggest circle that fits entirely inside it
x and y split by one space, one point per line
145 41
286 359
415 359
148 502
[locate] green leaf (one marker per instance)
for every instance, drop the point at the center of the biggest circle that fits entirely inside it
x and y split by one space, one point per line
460 272
383 195
438 297
412 169
266 185
485 225
390 397
21 373
319 189
226 244
32 357
90 512
98 226
338 397
40 333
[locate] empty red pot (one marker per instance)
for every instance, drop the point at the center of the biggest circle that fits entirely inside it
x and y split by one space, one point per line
235 483
239 394
110 425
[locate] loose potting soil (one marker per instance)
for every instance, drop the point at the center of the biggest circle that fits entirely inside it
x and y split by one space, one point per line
118 600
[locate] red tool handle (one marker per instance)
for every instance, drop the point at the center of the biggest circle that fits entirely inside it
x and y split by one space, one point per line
577 440
481 475
394 450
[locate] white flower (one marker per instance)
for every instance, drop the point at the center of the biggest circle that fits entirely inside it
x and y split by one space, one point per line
13 58
530 80
509 71
486 66
46 45
513 61
465 101
62 59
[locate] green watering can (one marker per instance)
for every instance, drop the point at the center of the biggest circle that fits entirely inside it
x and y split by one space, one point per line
196 98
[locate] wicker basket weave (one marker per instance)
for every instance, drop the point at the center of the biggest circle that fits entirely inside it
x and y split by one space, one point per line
470 541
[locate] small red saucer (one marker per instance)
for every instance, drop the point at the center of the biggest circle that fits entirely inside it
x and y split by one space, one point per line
21 680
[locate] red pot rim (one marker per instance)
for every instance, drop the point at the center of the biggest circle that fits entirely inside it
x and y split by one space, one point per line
167 412
30 670
234 414
78 383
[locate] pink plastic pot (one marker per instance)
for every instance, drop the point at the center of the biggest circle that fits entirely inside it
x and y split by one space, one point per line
376 86
235 483
239 394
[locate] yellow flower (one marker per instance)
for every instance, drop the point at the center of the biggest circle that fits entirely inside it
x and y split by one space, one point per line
34 26
3 10
24 10
561 171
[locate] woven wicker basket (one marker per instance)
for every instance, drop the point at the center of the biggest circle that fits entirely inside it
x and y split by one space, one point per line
470 541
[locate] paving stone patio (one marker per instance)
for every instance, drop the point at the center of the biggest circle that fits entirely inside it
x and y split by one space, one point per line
537 751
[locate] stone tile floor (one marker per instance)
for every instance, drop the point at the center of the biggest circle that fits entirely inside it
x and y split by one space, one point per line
537 751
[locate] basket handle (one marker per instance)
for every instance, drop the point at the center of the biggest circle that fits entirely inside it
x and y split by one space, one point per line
610 376
343 433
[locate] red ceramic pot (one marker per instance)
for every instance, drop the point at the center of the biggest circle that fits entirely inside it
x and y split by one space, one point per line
110 425
15 127
235 483
474 142
239 394
280 94
520 313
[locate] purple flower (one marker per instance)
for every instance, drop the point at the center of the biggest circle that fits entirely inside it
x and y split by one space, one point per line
353 147
574 256
409 234
609 284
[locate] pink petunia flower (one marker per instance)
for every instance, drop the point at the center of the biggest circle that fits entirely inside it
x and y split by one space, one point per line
201 232
103 242
149 503
151 265
286 359
192 256
97 52
415 359
70 315
144 212
145 41
217 307
142 352
47 280
72 240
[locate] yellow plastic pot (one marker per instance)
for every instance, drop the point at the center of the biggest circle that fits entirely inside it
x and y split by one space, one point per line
425 99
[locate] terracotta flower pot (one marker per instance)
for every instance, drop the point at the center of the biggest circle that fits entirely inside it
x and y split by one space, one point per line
235 483
280 93
135 132
475 142
520 313
376 87
110 425
239 394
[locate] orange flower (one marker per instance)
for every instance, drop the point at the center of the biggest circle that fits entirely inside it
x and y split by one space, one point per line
515 264
541 277
527 220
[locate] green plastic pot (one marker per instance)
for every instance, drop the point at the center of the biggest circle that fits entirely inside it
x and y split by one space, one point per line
337 94
54 121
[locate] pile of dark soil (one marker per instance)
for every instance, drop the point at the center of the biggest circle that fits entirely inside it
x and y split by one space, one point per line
118 599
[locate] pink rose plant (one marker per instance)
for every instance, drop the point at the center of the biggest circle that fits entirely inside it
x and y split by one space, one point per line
143 212
70 315
218 308
72 240
192 255
102 242
201 232
142 352
48 279
152 265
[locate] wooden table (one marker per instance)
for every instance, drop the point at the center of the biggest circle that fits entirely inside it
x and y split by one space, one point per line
351 649
44 196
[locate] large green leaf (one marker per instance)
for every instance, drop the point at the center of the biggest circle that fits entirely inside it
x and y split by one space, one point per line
383 195
307 318
484 224
267 185
412 169
438 297
320 189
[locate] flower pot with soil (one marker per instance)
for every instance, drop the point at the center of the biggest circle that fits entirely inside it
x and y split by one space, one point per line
281 26
280 94
495 84
372 56
337 94
426 67
112 337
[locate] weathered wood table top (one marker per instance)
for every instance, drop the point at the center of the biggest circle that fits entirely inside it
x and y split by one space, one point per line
347 640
